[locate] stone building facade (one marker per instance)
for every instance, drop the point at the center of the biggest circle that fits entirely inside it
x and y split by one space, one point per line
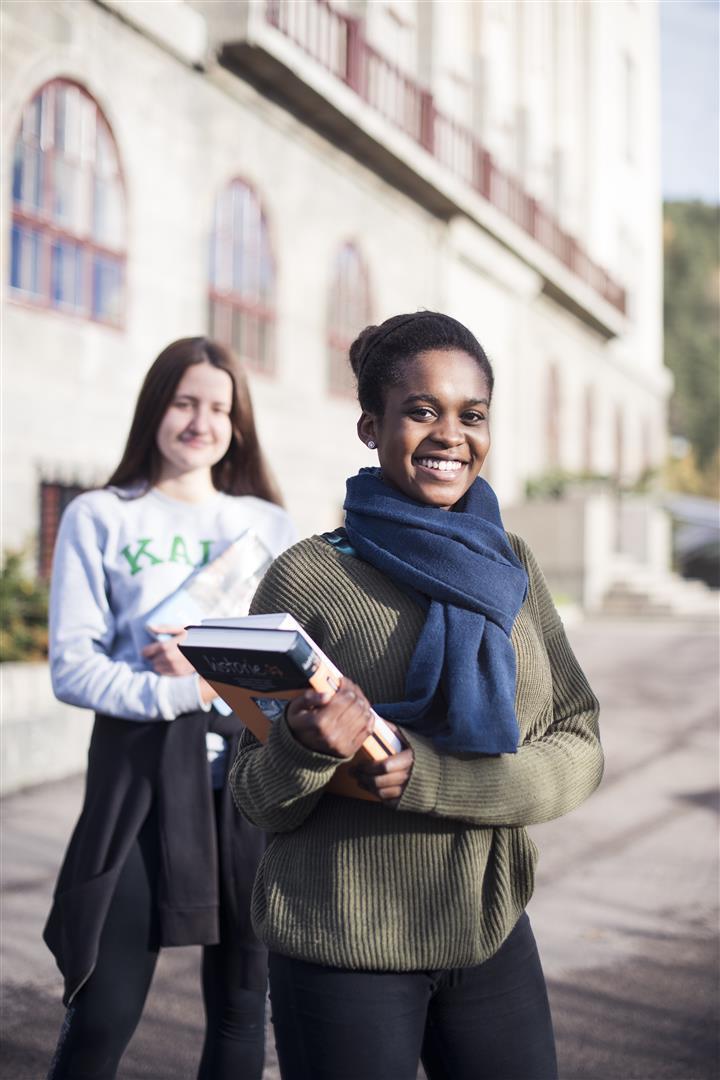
280 172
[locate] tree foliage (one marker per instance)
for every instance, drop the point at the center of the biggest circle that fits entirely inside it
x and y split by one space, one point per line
692 324
23 612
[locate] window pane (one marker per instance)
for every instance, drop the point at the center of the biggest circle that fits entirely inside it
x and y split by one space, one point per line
66 275
59 117
17 179
107 213
16 257
70 202
105 159
221 264
267 272
25 260
32 252
107 289
31 120
222 245
241 214
87 118
68 111
27 176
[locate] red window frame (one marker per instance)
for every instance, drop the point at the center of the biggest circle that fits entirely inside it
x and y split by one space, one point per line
53 498
241 302
349 311
41 220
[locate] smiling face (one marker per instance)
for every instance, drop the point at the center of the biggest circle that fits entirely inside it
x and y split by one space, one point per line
433 435
195 432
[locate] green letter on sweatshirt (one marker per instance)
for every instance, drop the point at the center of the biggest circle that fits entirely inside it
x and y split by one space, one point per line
179 552
142 549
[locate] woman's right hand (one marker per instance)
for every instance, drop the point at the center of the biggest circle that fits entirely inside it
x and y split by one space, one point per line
336 724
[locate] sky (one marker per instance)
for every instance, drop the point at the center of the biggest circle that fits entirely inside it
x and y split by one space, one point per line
690 45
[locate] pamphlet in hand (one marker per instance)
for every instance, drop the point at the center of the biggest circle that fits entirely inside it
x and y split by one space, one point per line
222 587
260 662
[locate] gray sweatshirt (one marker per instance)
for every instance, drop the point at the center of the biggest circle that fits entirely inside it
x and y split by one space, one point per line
116 558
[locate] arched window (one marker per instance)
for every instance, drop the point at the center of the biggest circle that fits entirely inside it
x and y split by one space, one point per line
67 248
348 313
242 277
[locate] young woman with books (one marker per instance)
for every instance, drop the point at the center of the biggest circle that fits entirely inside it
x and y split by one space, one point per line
397 927
158 856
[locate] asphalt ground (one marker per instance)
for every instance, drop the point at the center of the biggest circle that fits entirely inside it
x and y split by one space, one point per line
625 909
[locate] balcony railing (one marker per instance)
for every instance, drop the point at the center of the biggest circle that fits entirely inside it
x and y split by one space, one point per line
336 41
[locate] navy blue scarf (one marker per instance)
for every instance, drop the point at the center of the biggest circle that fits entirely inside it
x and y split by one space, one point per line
461 562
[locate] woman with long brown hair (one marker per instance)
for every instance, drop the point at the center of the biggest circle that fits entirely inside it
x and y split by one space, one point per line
157 857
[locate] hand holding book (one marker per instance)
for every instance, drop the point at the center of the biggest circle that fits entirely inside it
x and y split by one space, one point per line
267 668
336 724
339 724
385 780
166 659
163 653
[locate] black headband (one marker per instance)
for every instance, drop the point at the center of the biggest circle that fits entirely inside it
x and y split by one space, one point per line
403 322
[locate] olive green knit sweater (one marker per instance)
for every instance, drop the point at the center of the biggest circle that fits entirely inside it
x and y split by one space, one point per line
439 881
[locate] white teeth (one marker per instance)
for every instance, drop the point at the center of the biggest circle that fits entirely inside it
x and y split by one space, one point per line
440 466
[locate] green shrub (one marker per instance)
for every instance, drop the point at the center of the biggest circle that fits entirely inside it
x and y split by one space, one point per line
555 483
23 611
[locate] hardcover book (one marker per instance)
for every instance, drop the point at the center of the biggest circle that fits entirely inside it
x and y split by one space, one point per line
258 663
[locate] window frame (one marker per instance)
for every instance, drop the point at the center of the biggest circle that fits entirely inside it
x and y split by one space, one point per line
338 340
40 221
54 496
224 304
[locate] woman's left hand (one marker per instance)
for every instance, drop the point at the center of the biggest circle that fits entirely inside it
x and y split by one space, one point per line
387 779
164 656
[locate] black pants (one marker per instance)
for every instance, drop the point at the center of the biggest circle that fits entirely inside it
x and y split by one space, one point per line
490 1022
104 1014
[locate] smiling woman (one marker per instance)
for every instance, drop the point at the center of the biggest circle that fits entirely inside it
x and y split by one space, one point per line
433 434
195 432
406 914
158 857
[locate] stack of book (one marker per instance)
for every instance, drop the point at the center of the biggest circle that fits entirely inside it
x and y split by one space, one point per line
257 664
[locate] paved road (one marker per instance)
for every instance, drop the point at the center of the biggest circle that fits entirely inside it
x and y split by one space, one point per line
626 906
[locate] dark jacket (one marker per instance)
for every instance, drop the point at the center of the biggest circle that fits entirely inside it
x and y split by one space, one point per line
203 893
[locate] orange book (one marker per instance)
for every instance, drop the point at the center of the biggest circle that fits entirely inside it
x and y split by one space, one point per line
258 663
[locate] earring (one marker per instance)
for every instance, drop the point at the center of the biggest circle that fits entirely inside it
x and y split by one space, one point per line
371 445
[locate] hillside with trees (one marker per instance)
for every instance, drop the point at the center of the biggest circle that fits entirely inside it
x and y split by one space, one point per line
692 340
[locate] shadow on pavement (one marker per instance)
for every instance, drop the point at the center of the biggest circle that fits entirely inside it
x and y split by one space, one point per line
652 1018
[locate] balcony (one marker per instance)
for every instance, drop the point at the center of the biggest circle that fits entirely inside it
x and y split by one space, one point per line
317 63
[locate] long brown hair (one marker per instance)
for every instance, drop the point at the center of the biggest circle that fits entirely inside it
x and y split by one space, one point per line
242 470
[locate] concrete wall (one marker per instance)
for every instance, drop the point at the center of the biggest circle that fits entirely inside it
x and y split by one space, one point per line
40 738
586 542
